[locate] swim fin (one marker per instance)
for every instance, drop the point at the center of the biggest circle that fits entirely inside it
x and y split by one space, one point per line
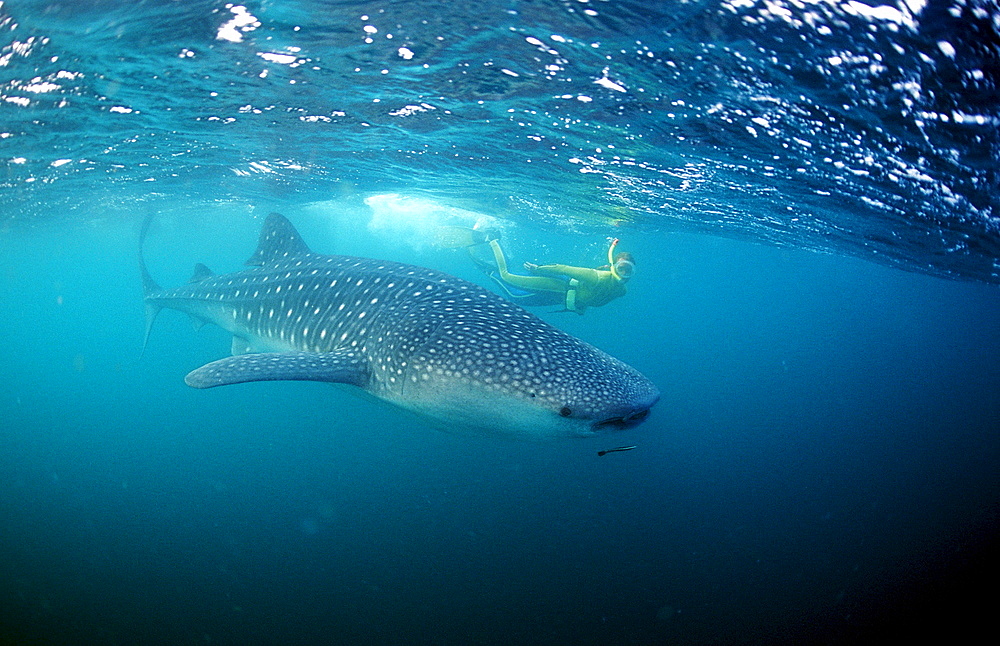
452 237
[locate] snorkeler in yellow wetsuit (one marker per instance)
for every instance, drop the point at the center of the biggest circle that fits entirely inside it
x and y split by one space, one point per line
576 287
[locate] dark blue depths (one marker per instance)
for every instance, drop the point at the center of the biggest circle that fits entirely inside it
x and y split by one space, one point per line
822 463
823 454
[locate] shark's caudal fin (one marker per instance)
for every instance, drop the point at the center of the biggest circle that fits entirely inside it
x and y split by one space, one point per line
341 367
278 240
149 286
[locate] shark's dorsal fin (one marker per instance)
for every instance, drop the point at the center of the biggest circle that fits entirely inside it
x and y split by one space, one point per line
278 240
201 272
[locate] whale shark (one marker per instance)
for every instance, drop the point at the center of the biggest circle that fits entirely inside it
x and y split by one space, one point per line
457 355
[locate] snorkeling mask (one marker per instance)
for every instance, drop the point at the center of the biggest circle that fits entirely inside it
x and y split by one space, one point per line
623 266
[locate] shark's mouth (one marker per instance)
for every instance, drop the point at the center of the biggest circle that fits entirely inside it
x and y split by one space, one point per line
618 423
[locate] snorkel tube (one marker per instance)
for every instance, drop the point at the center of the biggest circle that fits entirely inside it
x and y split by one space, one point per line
611 259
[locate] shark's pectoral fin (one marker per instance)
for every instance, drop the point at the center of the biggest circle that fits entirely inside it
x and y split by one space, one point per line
336 367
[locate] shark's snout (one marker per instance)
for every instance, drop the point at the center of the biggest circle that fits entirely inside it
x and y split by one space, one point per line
630 414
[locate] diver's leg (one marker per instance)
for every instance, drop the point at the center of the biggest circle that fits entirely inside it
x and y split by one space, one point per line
533 283
500 260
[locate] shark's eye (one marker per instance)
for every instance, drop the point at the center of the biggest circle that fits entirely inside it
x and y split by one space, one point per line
565 411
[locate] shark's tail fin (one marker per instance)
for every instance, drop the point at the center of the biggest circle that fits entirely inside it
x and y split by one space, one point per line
149 286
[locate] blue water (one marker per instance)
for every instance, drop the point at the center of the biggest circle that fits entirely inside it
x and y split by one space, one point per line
811 194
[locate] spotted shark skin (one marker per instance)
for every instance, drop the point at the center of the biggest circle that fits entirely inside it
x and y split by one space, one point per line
457 355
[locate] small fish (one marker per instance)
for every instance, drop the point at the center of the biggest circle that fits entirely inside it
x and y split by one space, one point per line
617 448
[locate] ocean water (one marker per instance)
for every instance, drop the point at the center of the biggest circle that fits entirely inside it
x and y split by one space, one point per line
810 190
